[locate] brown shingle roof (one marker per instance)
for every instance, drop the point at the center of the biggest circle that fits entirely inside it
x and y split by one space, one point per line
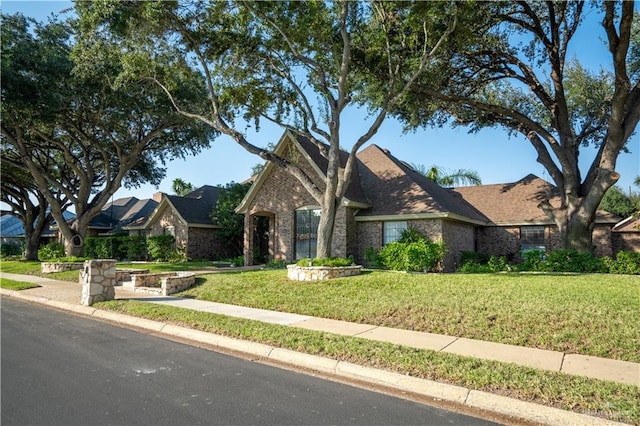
394 188
517 202
354 191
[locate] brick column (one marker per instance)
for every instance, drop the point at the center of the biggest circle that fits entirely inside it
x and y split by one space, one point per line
248 239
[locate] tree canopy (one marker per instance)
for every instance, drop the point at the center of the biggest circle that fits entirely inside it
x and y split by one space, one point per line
290 63
79 131
517 75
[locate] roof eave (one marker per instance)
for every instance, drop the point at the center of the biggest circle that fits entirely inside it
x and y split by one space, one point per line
417 216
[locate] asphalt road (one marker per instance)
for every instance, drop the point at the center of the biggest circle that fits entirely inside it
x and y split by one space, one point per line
61 369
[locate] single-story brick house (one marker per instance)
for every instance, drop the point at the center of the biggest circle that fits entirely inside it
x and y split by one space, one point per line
188 219
386 196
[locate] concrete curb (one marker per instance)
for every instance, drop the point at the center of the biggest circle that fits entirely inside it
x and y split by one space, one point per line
527 411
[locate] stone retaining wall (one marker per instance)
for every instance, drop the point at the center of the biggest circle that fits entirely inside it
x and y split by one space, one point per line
125 274
51 267
161 283
316 273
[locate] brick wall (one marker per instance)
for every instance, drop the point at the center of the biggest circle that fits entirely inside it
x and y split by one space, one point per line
625 241
170 218
204 243
458 237
499 241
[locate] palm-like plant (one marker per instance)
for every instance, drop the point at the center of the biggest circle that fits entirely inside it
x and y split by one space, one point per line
449 178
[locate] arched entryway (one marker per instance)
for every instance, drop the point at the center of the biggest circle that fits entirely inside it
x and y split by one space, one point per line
259 238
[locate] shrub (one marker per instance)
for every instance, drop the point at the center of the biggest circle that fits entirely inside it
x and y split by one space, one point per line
472 262
626 262
135 247
160 247
373 258
334 262
533 260
413 254
52 251
276 264
573 261
10 249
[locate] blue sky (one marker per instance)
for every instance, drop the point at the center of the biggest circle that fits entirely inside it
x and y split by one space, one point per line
496 158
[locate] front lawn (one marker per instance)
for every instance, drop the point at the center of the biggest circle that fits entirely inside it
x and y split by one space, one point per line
594 314
610 400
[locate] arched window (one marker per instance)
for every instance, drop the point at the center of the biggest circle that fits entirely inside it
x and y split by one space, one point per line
307 220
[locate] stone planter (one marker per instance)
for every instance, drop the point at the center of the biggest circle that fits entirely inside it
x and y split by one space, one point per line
317 273
51 267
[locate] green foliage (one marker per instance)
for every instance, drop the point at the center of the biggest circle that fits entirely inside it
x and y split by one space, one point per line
626 262
334 262
533 260
556 261
276 264
223 214
52 251
161 247
483 264
573 261
617 202
180 187
373 258
122 247
62 94
10 249
413 253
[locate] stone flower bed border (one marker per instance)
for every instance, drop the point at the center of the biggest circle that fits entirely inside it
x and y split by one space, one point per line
51 267
317 273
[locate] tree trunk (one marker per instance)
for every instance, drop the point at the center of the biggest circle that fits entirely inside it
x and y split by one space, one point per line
73 239
31 247
325 230
578 236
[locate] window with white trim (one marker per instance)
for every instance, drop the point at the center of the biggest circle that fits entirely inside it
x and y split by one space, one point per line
392 231
532 238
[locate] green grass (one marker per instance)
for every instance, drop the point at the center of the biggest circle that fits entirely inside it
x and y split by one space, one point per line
593 314
610 400
16 285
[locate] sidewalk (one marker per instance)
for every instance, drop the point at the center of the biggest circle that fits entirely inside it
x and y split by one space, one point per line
600 368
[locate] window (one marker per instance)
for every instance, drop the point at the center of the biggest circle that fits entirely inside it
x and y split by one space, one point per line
392 231
307 220
532 238
170 230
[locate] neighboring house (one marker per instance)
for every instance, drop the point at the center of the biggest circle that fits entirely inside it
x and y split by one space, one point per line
12 231
188 219
387 196
625 235
117 215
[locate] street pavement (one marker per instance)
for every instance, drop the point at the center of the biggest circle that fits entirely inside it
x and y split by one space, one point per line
63 369
66 295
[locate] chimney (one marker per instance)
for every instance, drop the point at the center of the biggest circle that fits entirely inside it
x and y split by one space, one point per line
158 196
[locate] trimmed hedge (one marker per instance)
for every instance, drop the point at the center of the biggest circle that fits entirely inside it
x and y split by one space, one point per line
626 262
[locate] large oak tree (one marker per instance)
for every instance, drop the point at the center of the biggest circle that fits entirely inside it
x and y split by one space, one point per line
519 75
80 132
290 63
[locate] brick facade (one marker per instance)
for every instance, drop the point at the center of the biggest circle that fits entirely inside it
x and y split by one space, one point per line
199 242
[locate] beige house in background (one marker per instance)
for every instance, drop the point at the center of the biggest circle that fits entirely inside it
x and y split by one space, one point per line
387 196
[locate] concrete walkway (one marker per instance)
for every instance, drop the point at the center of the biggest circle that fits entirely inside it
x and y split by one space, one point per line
66 295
